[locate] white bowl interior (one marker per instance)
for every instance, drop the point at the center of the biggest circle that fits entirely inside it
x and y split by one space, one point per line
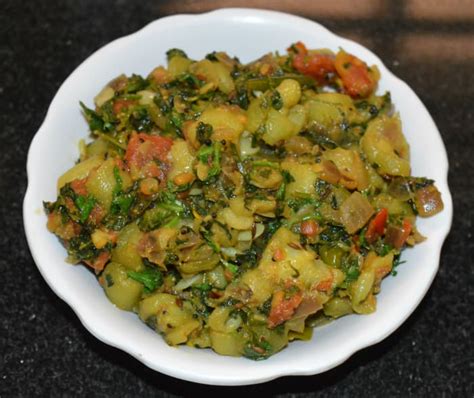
247 34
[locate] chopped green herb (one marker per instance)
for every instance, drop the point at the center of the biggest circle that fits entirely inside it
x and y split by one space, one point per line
287 178
211 156
85 206
207 235
136 83
151 278
96 122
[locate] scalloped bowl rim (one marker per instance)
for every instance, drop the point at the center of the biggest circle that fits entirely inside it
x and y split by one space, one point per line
203 366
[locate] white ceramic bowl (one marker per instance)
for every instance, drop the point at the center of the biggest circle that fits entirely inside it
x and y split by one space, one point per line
246 33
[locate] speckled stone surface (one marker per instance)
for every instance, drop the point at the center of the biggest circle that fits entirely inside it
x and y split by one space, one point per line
44 349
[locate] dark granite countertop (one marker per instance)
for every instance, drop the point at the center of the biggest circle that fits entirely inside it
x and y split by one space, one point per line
44 349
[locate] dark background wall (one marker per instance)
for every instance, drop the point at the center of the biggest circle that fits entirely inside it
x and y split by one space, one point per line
44 350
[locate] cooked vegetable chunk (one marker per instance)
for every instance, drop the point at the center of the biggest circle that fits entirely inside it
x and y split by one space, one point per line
386 147
122 290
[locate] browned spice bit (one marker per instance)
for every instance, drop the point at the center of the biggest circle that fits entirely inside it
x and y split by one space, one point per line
295 245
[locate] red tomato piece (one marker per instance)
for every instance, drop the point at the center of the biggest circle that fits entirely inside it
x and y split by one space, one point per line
407 227
98 263
325 285
299 47
283 308
97 214
143 150
318 66
121 104
355 75
377 226
79 186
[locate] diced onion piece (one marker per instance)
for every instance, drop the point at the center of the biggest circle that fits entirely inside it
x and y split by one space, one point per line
245 236
230 252
330 173
246 148
187 282
146 97
428 201
355 212
259 229
106 94
396 236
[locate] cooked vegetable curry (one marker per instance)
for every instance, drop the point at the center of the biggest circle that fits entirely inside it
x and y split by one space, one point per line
236 206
